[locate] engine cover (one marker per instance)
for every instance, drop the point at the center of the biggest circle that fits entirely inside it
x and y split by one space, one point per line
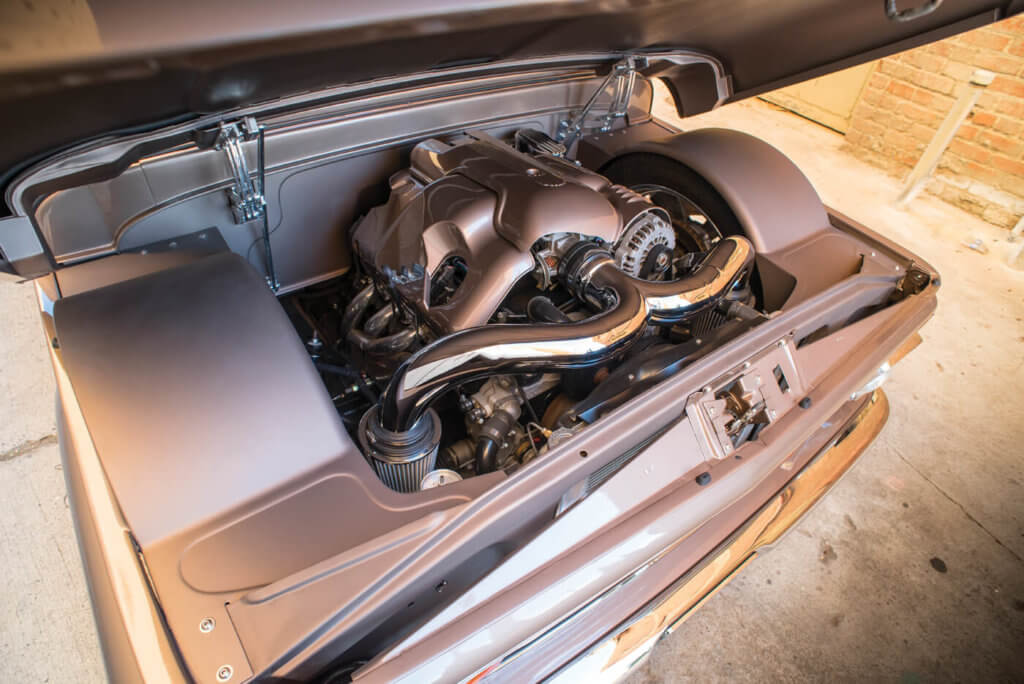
484 204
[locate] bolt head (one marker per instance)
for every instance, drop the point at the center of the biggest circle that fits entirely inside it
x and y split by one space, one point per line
206 625
224 673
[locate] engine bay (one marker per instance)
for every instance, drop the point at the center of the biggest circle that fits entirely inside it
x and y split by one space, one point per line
504 298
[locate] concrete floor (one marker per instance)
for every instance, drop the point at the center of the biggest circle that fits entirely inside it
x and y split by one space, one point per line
911 570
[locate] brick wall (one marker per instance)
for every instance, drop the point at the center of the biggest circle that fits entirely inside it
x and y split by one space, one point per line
909 95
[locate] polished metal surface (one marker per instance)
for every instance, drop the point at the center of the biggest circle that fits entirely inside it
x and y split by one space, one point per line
401 460
517 349
439 478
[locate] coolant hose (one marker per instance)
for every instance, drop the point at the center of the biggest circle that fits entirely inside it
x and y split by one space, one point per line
492 433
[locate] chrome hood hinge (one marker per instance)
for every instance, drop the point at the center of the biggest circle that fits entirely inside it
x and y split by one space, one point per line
246 196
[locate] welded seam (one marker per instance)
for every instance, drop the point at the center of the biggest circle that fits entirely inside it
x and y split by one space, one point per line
27 447
970 517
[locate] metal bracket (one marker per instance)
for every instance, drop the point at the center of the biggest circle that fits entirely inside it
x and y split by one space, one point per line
246 195
767 386
623 78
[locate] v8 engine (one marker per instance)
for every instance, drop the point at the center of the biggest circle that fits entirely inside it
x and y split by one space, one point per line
507 297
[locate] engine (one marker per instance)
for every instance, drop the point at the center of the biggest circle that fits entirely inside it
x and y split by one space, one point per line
506 298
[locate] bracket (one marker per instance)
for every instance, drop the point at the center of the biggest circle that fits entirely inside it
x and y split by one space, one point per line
246 194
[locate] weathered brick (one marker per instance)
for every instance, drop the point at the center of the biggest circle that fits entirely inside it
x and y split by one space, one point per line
983 118
1012 184
1010 86
998 63
1008 126
1012 25
1017 48
901 89
922 132
1010 106
970 151
966 132
878 80
902 142
897 70
867 127
993 195
952 163
919 114
1007 165
871 96
1000 143
981 172
999 216
888 65
958 71
941 84
922 97
985 39
962 53
936 101
923 60
940 48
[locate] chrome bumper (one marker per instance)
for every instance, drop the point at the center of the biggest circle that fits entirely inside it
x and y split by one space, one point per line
628 646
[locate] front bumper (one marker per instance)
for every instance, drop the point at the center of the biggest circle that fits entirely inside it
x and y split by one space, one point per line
627 646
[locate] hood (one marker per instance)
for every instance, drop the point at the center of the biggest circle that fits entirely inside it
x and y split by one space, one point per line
118 67
105 66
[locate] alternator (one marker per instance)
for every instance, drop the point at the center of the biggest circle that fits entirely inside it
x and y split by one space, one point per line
648 236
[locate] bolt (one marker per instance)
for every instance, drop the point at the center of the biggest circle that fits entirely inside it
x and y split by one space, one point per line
206 625
704 478
746 365
224 673
805 403
782 343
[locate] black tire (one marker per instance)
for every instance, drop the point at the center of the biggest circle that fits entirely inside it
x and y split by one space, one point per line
653 169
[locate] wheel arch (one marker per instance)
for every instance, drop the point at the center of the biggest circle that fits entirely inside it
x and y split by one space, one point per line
773 200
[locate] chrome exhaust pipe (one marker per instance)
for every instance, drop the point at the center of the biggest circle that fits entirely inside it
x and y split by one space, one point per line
589 270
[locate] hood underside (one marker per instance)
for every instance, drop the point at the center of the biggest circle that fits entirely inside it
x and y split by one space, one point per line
115 65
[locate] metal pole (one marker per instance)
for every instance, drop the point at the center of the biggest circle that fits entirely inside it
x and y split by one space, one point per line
926 165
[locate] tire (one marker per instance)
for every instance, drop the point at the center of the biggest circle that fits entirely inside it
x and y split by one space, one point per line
642 168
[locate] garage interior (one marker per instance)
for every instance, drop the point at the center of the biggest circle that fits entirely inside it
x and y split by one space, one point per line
912 569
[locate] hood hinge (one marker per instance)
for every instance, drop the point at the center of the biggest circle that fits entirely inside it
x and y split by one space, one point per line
246 195
247 198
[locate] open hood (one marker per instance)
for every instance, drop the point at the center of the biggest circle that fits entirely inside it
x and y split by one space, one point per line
118 64
118 67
